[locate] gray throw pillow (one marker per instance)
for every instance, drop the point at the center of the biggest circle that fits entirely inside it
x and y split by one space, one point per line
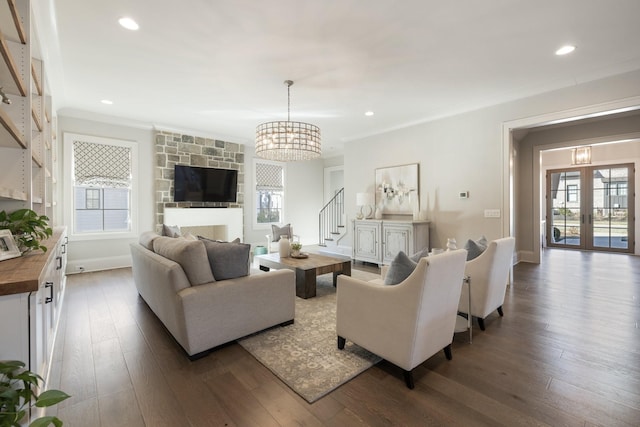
227 260
401 267
277 232
171 230
475 247
420 254
190 254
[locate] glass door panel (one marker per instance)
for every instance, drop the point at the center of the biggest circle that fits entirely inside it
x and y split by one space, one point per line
564 194
591 208
610 215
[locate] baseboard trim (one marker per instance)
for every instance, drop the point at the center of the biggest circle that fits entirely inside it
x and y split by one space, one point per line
98 264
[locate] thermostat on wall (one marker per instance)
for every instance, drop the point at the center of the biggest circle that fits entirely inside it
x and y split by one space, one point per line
463 195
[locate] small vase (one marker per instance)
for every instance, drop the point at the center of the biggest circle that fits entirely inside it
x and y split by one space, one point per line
451 244
295 252
378 214
284 247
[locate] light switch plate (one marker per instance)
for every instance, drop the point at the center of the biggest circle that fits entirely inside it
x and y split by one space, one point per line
492 213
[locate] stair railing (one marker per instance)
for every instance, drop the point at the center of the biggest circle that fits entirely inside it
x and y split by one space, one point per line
330 218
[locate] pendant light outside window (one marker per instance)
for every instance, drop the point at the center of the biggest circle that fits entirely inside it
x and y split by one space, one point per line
288 141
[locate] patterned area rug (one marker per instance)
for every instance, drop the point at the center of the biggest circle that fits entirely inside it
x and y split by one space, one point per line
305 355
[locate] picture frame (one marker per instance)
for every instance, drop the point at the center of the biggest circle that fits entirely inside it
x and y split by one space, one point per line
397 189
8 248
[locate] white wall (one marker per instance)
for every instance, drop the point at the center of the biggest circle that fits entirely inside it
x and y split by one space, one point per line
107 253
466 153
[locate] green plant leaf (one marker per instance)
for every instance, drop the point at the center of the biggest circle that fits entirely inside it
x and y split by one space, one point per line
46 421
51 397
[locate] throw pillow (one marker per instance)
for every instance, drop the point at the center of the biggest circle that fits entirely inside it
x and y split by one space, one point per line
147 238
228 260
171 230
475 247
189 236
277 232
420 254
401 267
191 255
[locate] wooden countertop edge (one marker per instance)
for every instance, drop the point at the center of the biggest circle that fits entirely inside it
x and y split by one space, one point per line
22 274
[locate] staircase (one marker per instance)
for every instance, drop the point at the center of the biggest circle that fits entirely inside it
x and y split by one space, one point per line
331 221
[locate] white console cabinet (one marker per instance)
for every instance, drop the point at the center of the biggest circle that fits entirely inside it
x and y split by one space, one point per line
31 293
379 241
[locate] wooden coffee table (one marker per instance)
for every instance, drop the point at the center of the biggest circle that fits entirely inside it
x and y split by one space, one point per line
307 269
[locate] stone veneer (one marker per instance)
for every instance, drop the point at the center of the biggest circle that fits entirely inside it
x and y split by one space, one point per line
172 148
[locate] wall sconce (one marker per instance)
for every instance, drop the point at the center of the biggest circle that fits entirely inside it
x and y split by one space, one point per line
581 155
366 201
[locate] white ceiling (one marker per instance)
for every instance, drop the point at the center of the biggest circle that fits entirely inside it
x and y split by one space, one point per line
217 67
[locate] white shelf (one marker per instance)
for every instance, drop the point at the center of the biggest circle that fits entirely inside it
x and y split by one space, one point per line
10 135
12 194
10 22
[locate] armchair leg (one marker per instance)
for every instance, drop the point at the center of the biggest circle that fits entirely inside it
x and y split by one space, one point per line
481 323
341 342
447 352
408 379
500 311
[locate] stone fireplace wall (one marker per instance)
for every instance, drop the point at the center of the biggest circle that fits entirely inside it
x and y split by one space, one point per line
175 148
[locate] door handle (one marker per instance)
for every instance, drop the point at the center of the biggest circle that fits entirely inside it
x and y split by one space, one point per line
59 262
49 285
582 220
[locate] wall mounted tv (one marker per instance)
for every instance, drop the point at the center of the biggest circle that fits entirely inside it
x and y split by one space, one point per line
197 184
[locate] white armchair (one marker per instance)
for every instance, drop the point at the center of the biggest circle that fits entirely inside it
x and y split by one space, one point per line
405 323
273 238
488 273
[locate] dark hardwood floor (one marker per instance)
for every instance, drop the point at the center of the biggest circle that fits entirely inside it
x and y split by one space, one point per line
566 353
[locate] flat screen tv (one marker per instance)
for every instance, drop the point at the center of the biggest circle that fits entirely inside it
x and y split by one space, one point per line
198 184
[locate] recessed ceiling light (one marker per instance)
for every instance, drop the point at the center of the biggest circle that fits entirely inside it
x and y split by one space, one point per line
107 102
128 23
369 113
565 50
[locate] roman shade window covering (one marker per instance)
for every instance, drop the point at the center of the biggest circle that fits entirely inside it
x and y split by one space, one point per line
269 177
100 165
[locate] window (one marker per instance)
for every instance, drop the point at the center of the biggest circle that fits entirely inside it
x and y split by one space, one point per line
269 195
572 193
100 185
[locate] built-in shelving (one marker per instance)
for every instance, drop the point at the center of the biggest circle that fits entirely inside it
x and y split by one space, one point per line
12 194
12 80
11 23
27 157
10 136
36 119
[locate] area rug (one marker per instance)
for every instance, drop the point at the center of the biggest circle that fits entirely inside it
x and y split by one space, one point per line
305 355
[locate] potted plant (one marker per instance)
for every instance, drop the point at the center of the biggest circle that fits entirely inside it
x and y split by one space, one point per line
28 228
295 248
17 396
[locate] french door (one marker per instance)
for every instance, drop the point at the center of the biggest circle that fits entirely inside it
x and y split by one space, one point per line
591 208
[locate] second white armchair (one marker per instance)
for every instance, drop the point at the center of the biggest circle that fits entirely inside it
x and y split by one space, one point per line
405 323
488 273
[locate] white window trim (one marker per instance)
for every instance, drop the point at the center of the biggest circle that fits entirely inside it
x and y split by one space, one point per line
68 212
254 207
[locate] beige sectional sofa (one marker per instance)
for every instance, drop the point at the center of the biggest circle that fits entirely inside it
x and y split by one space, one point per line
175 278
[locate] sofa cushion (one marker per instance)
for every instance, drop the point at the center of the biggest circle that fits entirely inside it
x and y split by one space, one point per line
227 260
171 230
475 247
278 232
146 239
401 267
190 254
